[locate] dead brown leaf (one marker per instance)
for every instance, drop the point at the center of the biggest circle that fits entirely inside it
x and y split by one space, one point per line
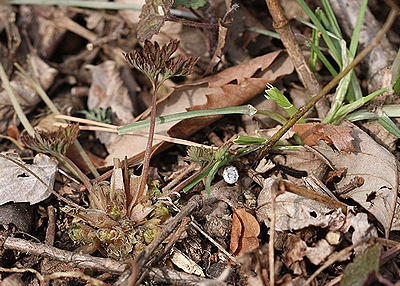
340 136
245 230
378 168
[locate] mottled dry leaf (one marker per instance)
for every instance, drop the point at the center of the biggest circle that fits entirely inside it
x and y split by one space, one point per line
378 168
245 230
18 185
340 136
295 212
295 249
318 253
152 18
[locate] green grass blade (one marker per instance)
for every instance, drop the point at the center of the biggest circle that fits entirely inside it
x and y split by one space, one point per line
396 73
276 95
332 48
17 107
244 109
346 109
323 59
273 115
388 124
361 114
332 19
357 28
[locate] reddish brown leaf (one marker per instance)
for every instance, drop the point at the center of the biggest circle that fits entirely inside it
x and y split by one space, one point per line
245 230
340 136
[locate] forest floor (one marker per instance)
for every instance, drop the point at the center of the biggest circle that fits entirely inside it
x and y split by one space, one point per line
228 201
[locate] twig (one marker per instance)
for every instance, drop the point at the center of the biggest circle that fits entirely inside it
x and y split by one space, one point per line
75 259
312 195
283 28
271 249
303 110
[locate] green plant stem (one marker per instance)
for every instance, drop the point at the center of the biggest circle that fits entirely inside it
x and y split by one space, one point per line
85 180
303 110
17 107
243 109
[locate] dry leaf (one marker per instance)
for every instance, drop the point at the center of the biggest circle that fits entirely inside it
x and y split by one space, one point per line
152 18
295 249
245 230
107 90
340 136
295 212
378 168
317 254
185 263
18 185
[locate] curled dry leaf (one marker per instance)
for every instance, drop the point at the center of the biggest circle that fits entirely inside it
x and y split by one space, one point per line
340 136
245 231
377 166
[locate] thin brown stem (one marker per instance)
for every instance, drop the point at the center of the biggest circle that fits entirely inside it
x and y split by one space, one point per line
189 23
148 152
283 28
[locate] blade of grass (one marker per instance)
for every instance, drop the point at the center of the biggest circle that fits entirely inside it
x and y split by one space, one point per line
321 28
332 19
357 28
96 5
244 109
388 124
17 107
315 49
346 109
276 95
314 27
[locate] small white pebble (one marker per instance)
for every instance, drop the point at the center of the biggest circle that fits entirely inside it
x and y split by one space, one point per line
230 174
334 237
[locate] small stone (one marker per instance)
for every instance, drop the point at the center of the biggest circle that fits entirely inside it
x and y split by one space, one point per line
230 174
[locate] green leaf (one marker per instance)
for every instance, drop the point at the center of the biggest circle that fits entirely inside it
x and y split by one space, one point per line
389 125
274 94
363 269
194 4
